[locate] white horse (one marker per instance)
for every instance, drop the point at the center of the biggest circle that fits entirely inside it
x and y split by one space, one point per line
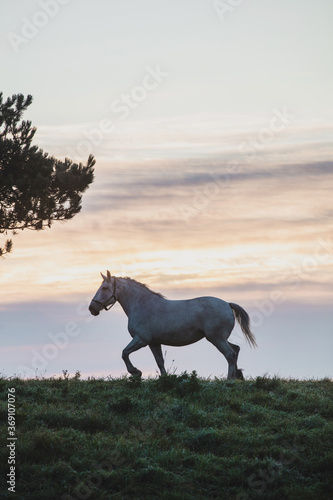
153 320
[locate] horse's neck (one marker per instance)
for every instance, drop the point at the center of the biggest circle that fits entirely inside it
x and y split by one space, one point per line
130 295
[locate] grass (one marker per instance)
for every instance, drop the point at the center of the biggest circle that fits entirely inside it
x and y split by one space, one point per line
174 437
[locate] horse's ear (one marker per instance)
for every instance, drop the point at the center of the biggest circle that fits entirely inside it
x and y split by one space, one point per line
108 275
104 277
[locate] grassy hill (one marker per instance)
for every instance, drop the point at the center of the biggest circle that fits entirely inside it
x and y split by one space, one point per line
175 437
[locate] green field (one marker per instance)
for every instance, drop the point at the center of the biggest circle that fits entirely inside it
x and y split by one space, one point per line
175 437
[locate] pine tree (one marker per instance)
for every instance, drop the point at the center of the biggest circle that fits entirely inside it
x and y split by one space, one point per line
35 189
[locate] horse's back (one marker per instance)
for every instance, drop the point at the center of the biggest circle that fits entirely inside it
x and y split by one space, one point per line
199 313
203 305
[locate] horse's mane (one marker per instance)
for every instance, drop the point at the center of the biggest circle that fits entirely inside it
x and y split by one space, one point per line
146 287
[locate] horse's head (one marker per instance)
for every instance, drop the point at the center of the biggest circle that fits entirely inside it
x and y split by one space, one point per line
105 296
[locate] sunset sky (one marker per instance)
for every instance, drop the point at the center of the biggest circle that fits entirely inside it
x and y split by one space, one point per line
212 130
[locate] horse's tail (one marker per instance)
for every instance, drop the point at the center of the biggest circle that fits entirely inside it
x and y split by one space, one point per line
244 321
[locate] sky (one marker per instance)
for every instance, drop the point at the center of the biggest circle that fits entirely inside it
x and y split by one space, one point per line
211 123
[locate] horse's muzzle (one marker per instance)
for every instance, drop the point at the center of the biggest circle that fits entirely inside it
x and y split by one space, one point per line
93 311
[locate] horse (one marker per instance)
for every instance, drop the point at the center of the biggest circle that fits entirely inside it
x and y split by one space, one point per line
154 320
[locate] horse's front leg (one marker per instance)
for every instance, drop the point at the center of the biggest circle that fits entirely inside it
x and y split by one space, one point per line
133 346
157 351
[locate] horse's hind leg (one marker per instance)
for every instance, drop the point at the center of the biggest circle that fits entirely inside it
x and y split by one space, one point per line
236 348
228 352
157 352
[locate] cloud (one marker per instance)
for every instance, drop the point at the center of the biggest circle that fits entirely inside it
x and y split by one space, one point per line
190 221
145 181
184 137
201 196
